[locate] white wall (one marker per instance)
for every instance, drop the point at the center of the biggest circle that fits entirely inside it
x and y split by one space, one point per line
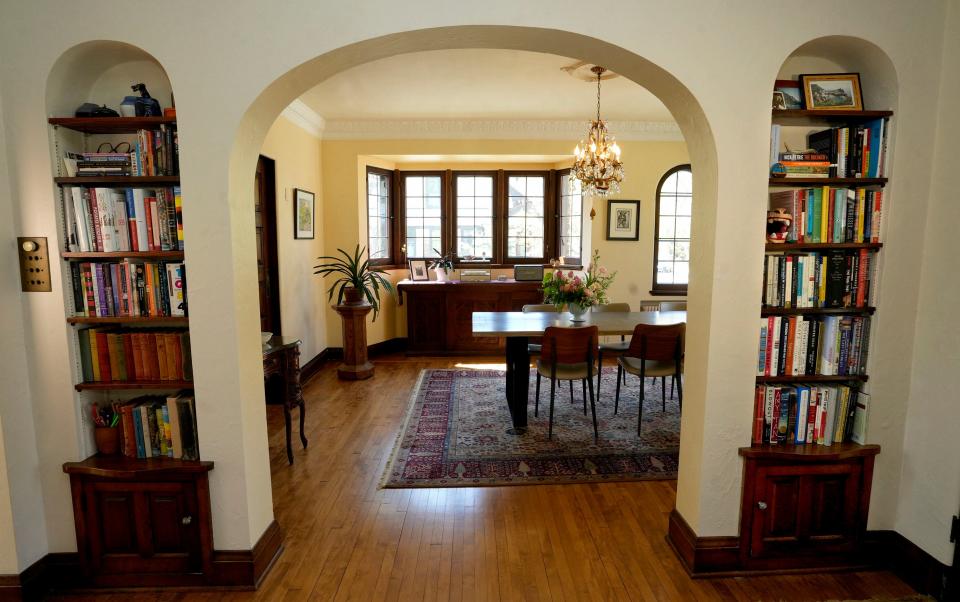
303 299
930 481
219 68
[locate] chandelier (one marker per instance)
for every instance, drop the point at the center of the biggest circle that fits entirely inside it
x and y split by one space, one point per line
597 165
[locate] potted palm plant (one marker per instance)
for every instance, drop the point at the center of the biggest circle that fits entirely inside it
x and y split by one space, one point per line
358 288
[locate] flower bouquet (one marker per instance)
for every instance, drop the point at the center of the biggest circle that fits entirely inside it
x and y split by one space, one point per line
578 293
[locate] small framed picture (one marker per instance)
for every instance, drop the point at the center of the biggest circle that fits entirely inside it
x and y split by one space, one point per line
778 103
831 91
789 89
303 213
418 270
623 220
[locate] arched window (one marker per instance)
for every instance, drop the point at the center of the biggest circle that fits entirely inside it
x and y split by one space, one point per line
671 246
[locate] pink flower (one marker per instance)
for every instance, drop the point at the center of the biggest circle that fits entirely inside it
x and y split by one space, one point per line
558 275
603 271
570 274
576 280
588 293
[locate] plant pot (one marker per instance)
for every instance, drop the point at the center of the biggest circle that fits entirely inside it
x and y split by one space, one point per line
107 439
579 312
441 274
352 296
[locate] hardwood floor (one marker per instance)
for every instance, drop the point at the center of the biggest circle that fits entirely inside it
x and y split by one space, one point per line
348 540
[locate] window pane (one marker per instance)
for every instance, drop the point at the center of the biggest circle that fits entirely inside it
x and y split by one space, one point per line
474 208
682 251
668 205
672 247
684 182
683 227
665 272
378 216
571 211
681 272
525 222
683 205
667 227
665 251
423 215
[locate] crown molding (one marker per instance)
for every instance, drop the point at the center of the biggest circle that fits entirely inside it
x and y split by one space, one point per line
302 116
495 129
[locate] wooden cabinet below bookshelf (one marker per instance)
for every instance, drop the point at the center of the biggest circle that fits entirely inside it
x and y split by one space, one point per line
155 385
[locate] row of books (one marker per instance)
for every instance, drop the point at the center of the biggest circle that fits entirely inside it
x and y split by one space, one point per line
815 414
832 279
804 165
116 355
154 426
129 289
833 215
808 346
124 219
857 152
151 153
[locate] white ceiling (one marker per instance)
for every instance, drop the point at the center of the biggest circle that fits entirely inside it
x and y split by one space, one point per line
478 84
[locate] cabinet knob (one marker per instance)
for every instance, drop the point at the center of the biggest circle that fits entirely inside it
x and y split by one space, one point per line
186 520
762 505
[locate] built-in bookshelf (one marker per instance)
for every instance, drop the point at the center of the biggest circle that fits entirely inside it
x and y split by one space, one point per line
120 208
820 281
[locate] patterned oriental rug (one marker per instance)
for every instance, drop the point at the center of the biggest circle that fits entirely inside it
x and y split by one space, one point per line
455 435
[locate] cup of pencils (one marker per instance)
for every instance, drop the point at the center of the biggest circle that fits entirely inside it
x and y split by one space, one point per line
105 431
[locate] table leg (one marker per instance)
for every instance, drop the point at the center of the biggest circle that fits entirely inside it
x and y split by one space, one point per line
286 421
518 383
303 410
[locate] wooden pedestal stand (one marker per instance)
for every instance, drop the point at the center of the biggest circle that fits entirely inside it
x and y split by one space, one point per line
355 364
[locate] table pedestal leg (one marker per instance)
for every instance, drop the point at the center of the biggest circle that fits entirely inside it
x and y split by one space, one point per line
518 383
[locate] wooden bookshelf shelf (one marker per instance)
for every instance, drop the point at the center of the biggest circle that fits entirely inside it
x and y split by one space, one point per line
810 452
122 467
158 385
848 182
838 115
125 181
157 320
816 311
107 255
110 125
821 246
814 378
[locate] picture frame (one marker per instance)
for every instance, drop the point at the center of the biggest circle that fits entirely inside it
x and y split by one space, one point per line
831 91
418 270
304 214
791 92
779 103
623 220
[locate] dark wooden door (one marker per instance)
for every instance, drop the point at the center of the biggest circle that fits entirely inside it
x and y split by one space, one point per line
143 527
265 207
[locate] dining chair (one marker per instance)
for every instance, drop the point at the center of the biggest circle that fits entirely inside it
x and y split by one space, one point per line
533 349
568 354
616 348
654 351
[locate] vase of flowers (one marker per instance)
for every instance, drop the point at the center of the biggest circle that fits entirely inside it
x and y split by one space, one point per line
442 265
579 292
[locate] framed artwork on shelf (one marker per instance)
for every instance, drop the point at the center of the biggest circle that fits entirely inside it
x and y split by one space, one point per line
303 213
623 220
832 91
418 270
789 89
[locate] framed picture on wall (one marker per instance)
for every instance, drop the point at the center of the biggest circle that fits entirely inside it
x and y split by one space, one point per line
418 270
830 91
623 220
303 213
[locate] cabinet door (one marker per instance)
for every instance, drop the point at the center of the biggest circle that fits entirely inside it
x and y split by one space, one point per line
426 326
143 527
805 510
460 308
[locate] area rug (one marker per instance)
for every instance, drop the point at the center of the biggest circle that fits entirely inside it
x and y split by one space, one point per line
454 435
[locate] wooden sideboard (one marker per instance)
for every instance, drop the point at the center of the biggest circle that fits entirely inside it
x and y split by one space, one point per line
440 314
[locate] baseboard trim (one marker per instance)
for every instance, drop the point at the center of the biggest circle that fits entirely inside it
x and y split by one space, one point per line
310 369
232 570
892 551
702 556
394 345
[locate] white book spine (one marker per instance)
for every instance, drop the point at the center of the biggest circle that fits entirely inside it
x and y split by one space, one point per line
775 355
140 213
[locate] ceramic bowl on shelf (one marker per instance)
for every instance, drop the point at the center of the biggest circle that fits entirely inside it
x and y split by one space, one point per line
265 337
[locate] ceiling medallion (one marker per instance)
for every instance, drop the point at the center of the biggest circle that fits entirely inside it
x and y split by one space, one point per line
597 158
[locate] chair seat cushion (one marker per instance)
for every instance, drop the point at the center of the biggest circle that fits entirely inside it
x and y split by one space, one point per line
565 371
653 368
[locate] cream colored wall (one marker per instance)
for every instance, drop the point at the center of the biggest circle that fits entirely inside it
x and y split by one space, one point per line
302 295
344 173
229 92
930 478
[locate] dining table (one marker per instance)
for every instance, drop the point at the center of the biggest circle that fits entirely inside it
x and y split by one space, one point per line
517 327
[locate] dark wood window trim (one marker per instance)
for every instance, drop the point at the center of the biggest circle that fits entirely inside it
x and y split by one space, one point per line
391 215
558 215
549 216
454 214
664 289
401 213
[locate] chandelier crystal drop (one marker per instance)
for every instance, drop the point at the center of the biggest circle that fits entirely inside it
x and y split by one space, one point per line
597 158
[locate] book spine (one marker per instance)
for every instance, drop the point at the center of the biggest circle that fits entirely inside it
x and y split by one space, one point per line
775 416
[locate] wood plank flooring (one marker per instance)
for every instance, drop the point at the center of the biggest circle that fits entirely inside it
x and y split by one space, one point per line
346 539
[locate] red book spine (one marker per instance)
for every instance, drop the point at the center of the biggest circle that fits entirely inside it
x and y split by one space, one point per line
129 435
862 277
138 365
770 335
103 356
791 337
153 364
177 356
877 213
128 356
94 217
758 403
775 419
91 303
149 208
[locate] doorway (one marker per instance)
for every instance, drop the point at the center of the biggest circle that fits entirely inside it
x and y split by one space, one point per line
265 216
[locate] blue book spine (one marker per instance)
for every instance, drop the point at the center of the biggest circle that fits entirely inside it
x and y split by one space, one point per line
873 167
839 213
138 432
102 290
